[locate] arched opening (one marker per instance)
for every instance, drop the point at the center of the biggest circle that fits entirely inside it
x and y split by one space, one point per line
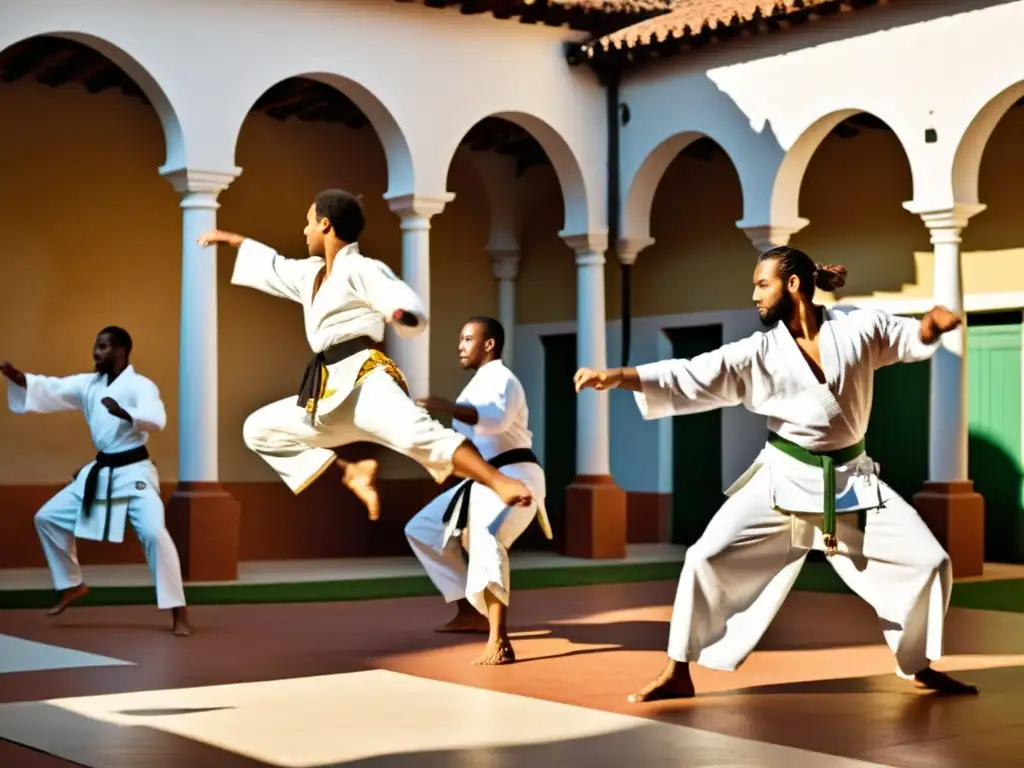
691 294
510 206
992 259
852 192
89 236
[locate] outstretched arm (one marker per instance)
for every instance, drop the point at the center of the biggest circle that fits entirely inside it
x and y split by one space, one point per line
29 393
678 387
491 415
260 267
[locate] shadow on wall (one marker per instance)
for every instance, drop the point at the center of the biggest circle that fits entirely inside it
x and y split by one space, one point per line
999 478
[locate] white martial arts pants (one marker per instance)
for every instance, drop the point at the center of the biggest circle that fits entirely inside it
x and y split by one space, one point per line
55 523
376 411
493 528
737 575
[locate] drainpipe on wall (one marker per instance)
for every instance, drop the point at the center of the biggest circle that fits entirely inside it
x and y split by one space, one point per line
609 77
608 74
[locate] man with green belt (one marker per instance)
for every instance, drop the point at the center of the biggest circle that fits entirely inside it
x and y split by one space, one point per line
811 374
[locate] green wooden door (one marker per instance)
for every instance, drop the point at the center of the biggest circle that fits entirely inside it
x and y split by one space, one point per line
897 436
993 416
559 435
696 448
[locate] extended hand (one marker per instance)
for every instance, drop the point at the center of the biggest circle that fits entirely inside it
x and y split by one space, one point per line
435 404
936 322
218 236
12 373
587 378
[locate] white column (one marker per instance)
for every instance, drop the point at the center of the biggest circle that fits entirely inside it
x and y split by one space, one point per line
592 430
506 269
948 434
765 236
198 421
413 354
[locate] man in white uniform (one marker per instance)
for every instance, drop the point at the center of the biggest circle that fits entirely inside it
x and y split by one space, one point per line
491 411
351 392
121 408
811 374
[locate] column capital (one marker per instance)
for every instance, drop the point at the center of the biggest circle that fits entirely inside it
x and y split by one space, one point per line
587 242
199 188
419 207
945 223
630 247
766 236
505 263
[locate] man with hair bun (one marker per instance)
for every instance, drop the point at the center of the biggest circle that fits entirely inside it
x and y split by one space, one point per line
811 374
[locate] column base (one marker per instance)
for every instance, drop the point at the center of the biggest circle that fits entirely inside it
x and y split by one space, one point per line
955 514
595 518
205 522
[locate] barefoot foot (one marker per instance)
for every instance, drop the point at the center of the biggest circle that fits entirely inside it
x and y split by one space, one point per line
466 620
360 478
496 653
673 683
933 680
180 626
67 597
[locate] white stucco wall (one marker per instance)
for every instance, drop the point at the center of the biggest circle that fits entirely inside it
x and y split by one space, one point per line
423 76
769 101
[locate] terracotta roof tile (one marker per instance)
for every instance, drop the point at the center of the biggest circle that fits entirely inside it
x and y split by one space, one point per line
695 22
596 16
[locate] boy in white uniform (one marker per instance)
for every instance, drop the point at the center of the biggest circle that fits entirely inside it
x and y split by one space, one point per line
351 392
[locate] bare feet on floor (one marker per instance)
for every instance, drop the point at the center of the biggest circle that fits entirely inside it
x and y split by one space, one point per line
180 626
467 620
673 683
933 680
360 478
496 653
67 597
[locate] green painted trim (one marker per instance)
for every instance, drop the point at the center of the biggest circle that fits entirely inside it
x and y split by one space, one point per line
1003 595
352 589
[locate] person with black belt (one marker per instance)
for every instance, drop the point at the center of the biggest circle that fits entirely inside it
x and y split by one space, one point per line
122 408
492 412
351 391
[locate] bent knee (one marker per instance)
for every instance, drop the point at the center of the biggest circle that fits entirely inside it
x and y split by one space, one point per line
256 431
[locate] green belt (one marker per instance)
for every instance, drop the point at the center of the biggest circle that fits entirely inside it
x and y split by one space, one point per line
827 460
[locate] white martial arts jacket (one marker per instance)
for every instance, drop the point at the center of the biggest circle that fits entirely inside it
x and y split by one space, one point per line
353 301
140 398
503 420
767 374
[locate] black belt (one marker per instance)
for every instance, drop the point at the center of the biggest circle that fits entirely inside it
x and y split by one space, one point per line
460 498
314 380
109 461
